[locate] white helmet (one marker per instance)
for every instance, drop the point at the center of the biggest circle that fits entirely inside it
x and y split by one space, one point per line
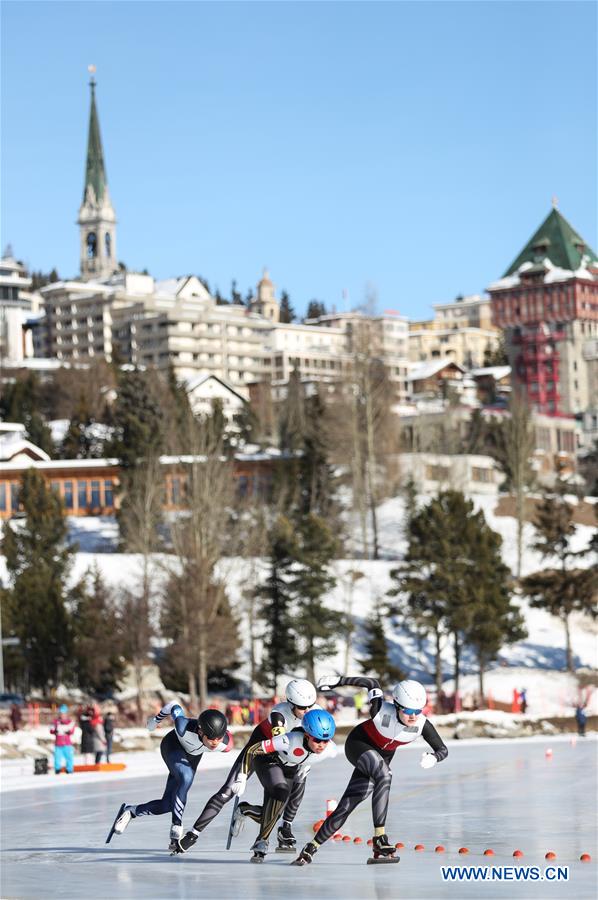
409 695
300 692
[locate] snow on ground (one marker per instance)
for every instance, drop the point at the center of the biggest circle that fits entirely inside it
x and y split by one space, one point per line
363 584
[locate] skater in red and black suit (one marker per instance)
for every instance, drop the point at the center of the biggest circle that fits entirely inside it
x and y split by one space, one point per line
370 748
300 696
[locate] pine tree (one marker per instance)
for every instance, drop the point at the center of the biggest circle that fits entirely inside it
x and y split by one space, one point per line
440 572
377 661
235 295
315 473
275 599
21 402
495 620
98 636
317 625
565 588
315 309
78 442
38 561
287 313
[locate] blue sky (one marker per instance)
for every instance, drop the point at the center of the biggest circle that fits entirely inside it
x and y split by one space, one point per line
406 148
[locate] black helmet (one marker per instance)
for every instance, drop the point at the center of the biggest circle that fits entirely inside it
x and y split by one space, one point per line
212 723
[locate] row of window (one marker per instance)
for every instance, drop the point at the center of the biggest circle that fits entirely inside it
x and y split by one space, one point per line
76 495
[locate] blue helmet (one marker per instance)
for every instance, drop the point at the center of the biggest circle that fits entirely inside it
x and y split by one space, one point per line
319 724
63 708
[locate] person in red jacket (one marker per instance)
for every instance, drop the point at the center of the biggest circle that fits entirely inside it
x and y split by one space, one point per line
64 752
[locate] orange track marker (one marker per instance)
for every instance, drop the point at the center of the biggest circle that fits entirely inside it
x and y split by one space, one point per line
419 847
517 853
463 850
357 840
346 837
439 849
550 855
585 857
489 852
399 845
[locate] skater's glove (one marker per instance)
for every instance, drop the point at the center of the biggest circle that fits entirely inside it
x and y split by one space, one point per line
185 843
239 784
375 694
151 723
428 760
327 682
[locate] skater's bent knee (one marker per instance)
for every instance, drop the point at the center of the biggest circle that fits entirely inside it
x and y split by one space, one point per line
280 792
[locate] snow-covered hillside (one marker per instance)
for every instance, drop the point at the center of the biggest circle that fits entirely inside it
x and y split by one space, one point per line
362 584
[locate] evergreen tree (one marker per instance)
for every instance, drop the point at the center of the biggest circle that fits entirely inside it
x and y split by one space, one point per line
316 478
287 313
40 279
316 624
275 599
38 562
496 356
315 309
377 661
98 638
21 402
440 573
495 620
138 419
79 442
235 295
565 588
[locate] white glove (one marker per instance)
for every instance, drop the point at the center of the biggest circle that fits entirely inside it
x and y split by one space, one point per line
239 784
327 682
375 694
428 760
151 723
302 773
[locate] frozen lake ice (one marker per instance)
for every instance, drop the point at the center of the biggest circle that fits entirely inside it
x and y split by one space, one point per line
503 795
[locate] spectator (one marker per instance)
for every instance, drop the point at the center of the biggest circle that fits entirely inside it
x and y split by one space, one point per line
581 719
63 728
108 733
360 700
86 734
99 742
523 699
15 717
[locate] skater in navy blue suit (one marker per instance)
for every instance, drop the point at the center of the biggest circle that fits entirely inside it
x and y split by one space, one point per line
182 750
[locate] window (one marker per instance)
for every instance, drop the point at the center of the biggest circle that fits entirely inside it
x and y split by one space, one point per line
95 493
108 494
92 245
437 473
68 494
3 497
14 497
483 475
175 491
82 494
55 485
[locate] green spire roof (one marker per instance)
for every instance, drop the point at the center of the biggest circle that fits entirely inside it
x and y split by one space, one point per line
95 174
558 241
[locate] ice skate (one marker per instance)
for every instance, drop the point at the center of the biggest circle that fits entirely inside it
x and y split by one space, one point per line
287 842
260 848
183 844
176 833
123 817
383 851
307 854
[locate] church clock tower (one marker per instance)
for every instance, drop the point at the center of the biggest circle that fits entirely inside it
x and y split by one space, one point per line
97 220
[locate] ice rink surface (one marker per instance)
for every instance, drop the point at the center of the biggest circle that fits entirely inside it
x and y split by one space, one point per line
504 795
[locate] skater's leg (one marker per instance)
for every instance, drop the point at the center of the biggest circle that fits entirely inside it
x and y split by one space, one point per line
220 798
277 789
59 760
158 807
294 801
69 756
356 791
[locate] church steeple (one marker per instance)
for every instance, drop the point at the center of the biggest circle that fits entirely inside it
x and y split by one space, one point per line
97 220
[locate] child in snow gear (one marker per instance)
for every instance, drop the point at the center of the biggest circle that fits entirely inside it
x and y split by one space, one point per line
182 750
370 748
63 728
300 697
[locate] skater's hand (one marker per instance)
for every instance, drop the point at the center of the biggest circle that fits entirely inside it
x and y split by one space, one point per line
239 784
327 682
375 694
428 760
151 723
185 843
